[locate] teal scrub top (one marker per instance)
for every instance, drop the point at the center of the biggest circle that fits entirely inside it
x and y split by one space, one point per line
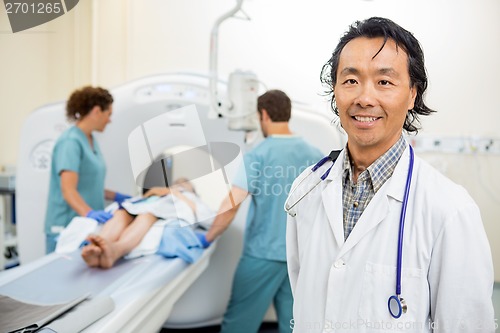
271 167
73 152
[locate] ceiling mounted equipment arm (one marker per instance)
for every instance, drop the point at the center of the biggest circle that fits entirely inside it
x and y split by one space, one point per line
214 40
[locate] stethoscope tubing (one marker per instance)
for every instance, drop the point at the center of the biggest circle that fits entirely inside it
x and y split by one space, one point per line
402 223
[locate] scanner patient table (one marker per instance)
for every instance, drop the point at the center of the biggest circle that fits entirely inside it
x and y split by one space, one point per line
143 290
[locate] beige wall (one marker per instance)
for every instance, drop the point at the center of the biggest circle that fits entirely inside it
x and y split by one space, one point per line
38 66
108 42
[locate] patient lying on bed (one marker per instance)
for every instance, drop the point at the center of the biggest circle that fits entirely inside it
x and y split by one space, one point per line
125 230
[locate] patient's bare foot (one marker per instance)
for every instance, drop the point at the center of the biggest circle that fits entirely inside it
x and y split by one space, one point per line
109 255
91 254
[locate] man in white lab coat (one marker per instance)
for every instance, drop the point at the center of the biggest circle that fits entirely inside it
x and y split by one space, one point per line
343 236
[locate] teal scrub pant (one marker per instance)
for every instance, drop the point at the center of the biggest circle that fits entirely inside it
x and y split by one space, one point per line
257 283
50 242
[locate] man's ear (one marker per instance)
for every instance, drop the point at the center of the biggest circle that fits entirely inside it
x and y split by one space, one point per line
265 115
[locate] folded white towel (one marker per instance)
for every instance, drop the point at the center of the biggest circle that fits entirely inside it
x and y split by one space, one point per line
75 233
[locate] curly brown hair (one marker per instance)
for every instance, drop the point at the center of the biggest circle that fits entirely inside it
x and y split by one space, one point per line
84 99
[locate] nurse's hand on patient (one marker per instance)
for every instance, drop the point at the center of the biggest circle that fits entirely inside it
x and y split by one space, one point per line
100 216
203 240
119 197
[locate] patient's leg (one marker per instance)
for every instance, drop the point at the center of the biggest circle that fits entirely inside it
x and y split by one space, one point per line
130 238
108 254
114 227
91 254
135 232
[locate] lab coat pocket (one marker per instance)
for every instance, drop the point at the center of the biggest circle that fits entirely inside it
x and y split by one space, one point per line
379 283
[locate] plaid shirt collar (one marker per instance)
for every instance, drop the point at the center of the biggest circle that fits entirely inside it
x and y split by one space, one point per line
383 167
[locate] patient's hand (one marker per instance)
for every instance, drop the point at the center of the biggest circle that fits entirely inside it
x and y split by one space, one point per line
158 191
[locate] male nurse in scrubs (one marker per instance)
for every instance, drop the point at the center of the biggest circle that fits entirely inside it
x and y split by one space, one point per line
261 277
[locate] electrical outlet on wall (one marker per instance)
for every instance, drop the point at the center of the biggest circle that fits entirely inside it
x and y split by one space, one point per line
485 145
456 145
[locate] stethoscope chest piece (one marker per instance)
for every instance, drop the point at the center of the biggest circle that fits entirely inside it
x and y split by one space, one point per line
397 306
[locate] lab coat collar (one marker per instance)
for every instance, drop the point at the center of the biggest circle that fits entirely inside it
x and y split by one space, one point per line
376 211
396 184
337 167
332 199
333 206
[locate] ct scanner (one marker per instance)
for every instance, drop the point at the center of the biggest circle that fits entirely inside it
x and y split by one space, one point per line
146 293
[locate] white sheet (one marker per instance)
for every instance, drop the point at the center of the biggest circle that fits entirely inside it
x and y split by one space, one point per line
79 228
169 209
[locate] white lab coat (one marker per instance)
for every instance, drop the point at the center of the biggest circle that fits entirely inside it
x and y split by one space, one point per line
447 275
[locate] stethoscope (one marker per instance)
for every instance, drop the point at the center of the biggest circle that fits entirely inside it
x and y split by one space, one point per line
332 157
396 304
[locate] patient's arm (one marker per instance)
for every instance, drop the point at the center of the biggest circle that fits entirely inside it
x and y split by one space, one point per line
174 190
182 197
158 191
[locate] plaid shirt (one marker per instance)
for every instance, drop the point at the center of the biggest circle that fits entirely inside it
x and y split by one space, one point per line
356 196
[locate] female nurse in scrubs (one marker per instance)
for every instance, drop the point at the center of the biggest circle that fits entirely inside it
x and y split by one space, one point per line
78 169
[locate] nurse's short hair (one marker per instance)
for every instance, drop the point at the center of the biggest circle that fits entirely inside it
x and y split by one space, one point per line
82 100
277 104
381 27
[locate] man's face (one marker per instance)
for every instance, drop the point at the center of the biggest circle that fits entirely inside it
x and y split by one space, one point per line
373 95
